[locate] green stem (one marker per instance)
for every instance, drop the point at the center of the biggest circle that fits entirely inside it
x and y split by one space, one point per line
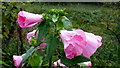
50 62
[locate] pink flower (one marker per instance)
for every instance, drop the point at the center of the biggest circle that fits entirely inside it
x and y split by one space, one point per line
17 60
26 19
78 42
93 42
74 42
60 64
31 34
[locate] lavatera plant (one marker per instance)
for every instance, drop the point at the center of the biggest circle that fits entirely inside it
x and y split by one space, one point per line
54 42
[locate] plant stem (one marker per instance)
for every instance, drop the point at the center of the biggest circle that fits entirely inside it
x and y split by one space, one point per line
20 37
50 62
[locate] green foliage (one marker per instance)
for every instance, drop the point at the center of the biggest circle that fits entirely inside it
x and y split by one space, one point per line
66 23
35 60
27 54
42 31
9 17
55 18
52 43
71 62
33 41
1 62
56 11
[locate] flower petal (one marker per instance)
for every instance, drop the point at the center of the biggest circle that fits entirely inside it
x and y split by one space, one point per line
93 42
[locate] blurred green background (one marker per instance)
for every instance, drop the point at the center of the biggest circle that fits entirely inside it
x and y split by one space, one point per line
99 18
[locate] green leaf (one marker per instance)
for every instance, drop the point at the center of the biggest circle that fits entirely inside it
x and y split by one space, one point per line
66 23
66 61
27 54
55 18
35 60
42 31
77 59
1 62
33 41
52 43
